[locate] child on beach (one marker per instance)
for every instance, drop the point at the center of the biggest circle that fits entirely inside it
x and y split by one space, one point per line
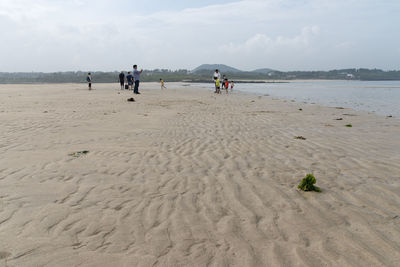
217 86
162 84
232 84
226 85
223 81
129 79
89 80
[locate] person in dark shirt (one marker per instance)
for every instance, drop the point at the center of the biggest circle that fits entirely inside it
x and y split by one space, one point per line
129 79
122 80
89 80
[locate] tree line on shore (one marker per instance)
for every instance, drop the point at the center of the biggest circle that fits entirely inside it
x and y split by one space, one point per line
199 76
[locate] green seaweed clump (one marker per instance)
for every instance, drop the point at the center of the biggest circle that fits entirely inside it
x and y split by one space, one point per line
79 153
349 125
307 184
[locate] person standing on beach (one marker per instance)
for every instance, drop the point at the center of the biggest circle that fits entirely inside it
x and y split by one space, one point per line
89 80
122 80
129 79
223 81
162 84
136 77
232 85
226 85
217 76
217 86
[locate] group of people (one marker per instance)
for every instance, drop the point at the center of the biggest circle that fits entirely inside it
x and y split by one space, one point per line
222 83
132 79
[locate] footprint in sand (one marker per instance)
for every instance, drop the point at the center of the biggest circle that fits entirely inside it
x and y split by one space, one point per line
4 255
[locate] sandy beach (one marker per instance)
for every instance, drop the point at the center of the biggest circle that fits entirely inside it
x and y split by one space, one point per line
184 177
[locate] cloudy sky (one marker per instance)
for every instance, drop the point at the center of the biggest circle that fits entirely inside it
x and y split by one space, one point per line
63 35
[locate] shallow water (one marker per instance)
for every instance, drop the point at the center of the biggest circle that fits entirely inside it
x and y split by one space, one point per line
381 97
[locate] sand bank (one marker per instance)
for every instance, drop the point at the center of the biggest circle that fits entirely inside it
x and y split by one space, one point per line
183 177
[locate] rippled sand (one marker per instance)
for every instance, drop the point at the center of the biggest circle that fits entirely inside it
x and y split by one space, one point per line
183 177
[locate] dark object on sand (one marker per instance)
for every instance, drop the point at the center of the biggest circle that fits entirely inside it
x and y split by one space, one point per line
349 125
131 99
390 116
300 109
339 119
307 184
126 86
300 137
79 153
339 107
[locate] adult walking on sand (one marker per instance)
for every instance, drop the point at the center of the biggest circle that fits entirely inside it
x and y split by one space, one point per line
122 80
89 80
216 76
136 77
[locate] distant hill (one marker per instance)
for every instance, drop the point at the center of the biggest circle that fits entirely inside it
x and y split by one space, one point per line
212 67
264 71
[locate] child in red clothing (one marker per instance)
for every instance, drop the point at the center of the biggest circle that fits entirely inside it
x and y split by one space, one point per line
226 85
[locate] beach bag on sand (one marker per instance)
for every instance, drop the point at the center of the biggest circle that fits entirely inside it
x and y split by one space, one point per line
131 99
126 86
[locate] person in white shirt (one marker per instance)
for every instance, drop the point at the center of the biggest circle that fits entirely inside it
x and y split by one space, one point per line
217 76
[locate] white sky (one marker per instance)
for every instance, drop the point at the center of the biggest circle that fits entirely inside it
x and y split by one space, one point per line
62 35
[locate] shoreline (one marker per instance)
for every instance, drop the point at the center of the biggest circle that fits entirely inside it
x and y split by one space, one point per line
184 85
388 114
208 81
186 177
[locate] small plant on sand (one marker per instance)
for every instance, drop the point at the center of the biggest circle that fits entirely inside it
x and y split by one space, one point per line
78 154
307 184
349 125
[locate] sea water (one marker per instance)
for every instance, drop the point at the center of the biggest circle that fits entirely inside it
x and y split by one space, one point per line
380 97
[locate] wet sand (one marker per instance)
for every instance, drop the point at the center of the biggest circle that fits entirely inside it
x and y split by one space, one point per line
183 177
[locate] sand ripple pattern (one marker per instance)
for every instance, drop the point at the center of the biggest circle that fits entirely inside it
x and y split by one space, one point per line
186 178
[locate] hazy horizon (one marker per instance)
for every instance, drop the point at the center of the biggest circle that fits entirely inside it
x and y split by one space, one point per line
286 35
